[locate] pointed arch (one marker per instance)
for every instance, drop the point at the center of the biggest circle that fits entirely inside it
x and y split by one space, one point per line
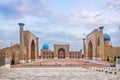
61 53
90 50
32 50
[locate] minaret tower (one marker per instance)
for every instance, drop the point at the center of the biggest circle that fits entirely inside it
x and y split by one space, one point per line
101 43
84 49
22 52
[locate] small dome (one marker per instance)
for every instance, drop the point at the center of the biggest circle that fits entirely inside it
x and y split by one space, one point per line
106 37
45 46
15 46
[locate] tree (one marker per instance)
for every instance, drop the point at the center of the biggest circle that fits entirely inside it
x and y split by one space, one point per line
12 62
108 58
115 58
118 57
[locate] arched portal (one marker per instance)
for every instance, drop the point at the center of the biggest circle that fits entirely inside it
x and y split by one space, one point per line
32 50
90 48
61 53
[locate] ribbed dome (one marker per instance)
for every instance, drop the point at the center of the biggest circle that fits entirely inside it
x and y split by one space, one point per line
45 46
106 37
15 46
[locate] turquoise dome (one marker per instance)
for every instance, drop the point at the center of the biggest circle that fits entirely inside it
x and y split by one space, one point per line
45 46
106 37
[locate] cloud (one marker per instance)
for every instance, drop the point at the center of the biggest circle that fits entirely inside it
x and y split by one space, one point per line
59 38
112 23
2 41
20 8
92 20
8 37
114 5
52 27
115 38
42 28
87 18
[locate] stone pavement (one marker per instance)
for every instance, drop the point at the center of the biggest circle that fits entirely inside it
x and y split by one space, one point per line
71 73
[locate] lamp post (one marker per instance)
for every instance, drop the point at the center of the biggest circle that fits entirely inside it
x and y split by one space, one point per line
119 27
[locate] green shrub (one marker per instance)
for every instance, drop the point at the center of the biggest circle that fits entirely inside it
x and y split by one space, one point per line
115 58
118 57
108 58
12 62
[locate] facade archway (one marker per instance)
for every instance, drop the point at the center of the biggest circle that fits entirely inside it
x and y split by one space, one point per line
61 53
90 50
32 50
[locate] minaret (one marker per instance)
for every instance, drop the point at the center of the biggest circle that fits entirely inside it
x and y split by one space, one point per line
101 28
21 60
84 52
37 49
101 43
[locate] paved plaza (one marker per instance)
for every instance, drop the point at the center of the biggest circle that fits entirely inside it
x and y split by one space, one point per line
61 73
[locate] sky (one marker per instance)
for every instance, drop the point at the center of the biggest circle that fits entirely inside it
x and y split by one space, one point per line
59 21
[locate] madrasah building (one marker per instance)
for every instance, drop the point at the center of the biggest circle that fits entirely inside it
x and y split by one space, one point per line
96 46
61 51
28 50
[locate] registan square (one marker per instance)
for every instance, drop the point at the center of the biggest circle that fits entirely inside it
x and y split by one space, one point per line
60 40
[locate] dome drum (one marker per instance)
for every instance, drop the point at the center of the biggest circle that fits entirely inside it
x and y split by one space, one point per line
106 37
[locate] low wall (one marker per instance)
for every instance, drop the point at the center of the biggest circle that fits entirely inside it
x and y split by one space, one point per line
4 62
117 63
